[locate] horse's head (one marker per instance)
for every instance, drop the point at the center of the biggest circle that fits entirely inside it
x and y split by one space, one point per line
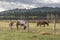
47 23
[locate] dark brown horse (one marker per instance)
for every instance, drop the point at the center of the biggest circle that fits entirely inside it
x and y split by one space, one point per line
42 23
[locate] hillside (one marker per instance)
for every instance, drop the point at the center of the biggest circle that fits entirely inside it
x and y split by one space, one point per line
37 13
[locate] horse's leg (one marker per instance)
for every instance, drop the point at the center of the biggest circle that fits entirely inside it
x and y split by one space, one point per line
44 25
24 27
47 24
37 24
17 26
40 25
10 28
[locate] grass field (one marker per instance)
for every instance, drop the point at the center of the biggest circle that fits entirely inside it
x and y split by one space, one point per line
35 33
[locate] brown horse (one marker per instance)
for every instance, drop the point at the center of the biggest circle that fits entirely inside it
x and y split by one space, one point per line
42 23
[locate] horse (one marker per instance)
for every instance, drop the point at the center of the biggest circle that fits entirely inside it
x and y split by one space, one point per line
21 23
42 23
11 24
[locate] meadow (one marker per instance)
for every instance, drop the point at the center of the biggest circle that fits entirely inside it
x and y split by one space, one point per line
35 33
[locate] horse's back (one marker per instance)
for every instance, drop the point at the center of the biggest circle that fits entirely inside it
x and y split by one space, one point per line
20 22
42 22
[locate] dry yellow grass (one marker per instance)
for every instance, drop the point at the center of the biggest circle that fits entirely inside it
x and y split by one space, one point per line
4 25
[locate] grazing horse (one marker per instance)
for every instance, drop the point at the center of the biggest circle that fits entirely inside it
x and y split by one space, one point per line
21 23
42 23
11 24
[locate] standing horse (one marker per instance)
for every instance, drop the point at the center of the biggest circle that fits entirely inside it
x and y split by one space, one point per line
11 24
21 23
42 23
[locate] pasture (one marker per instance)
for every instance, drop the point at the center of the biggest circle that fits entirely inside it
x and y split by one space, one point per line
35 33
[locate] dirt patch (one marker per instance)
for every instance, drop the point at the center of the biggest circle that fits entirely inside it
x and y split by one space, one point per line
46 33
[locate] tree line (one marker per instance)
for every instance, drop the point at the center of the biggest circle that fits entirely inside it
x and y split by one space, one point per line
36 13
